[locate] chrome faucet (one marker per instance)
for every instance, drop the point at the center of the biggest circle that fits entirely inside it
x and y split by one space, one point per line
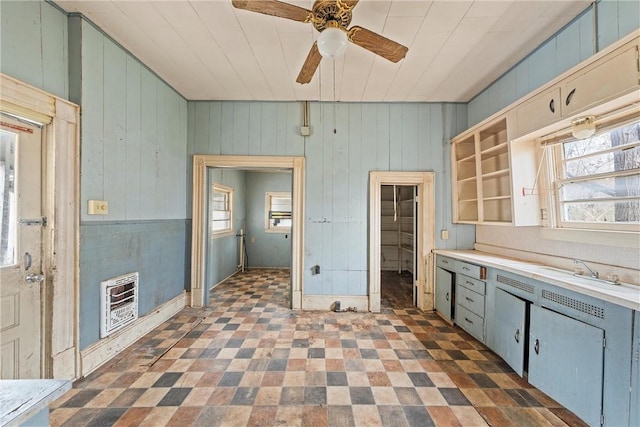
594 274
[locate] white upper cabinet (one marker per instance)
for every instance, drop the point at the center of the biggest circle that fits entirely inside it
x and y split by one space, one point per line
495 164
613 74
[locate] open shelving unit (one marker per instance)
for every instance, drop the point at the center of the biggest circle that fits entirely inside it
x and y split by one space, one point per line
482 175
398 228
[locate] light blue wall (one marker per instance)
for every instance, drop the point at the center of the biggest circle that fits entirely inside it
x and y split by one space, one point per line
223 254
158 250
266 249
133 155
570 46
33 45
399 137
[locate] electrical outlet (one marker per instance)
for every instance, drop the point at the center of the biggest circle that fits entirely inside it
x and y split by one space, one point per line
444 234
305 130
98 207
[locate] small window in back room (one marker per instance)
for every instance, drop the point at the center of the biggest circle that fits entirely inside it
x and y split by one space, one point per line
221 210
278 212
597 179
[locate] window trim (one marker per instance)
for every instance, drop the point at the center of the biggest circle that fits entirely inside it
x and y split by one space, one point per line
268 228
220 188
581 231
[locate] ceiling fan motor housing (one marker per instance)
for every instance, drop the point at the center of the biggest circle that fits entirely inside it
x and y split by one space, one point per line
325 11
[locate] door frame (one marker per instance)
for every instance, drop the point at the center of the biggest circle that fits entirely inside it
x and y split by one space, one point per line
425 238
201 162
61 173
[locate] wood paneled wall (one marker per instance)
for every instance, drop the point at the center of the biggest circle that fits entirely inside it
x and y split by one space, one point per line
347 141
133 133
33 45
570 46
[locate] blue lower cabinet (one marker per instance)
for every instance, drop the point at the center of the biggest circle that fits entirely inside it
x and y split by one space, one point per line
444 293
566 360
509 333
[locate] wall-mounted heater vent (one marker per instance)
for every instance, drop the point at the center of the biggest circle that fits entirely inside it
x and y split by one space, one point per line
576 304
516 284
118 303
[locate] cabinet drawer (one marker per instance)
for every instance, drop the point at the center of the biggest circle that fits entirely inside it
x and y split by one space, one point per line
470 322
446 263
470 283
470 300
471 270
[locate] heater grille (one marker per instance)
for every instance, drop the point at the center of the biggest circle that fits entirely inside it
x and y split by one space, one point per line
118 303
574 304
516 284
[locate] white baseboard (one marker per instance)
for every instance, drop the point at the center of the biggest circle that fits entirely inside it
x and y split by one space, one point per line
94 356
326 302
64 364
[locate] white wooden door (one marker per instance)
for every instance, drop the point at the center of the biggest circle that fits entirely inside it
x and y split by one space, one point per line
21 278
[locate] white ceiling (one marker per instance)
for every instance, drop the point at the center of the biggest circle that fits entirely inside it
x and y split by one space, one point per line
208 50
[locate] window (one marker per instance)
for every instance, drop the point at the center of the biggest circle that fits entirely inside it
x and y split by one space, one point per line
8 200
221 210
278 213
596 180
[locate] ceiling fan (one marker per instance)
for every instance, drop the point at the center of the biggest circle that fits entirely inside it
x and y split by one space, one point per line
332 17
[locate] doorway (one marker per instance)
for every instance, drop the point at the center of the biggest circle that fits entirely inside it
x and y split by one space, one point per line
249 225
201 166
424 238
398 230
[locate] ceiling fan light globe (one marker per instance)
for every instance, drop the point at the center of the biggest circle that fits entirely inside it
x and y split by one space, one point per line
332 43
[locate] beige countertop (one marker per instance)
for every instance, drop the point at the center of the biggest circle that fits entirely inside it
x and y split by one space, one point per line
624 294
22 399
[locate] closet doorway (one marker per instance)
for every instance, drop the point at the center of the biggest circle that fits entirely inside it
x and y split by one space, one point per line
398 230
424 234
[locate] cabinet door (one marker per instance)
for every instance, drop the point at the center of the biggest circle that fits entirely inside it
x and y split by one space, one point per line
566 360
444 296
509 333
595 84
536 113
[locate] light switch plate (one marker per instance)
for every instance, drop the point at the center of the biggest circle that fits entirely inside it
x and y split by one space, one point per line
444 234
98 207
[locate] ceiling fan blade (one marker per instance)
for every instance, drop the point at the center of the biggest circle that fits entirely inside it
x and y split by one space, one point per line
377 44
350 3
310 65
274 8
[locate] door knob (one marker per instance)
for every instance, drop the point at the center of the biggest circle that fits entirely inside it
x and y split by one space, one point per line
34 278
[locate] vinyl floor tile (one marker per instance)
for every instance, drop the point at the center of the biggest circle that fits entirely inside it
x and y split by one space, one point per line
247 359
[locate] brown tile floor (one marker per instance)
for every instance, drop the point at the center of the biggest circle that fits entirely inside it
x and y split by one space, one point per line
249 360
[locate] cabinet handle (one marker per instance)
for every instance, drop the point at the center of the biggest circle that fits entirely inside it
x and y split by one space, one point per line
552 105
466 268
467 319
516 336
447 296
444 261
468 299
570 96
536 347
469 283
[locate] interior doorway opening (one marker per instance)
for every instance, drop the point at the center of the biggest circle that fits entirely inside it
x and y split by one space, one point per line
202 164
249 227
398 230
424 238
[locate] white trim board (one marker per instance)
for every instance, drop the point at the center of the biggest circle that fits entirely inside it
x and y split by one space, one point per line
99 353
